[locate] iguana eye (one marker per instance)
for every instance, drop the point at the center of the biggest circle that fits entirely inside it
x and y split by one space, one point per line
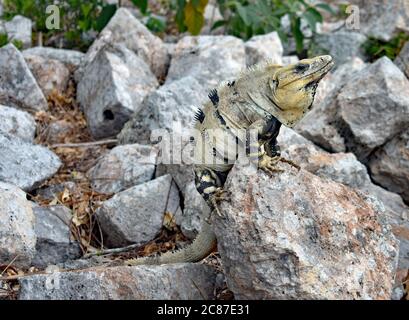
301 67
273 84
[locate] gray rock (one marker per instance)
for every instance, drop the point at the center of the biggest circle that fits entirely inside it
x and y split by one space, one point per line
389 165
58 131
208 59
24 164
125 29
320 124
264 47
123 167
51 75
289 60
402 60
17 236
195 208
136 214
19 29
112 89
170 110
342 45
17 123
53 191
297 236
70 58
382 19
373 107
166 282
18 87
54 243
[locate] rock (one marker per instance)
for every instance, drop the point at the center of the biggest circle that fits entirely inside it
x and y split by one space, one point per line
319 125
17 237
17 123
382 19
112 89
49 193
264 47
136 214
125 29
70 58
19 29
297 236
18 87
166 282
289 60
58 131
342 45
123 167
54 243
208 59
373 107
25 165
389 165
169 110
51 75
402 60
195 208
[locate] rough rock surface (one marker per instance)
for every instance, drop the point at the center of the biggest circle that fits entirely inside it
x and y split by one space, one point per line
51 75
18 29
319 125
70 58
383 19
125 29
402 60
17 236
264 47
54 243
167 282
123 167
136 214
208 59
390 165
374 107
58 131
17 123
18 87
297 236
25 165
341 45
112 89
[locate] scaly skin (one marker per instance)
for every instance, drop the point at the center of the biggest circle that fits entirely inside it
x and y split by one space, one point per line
259 100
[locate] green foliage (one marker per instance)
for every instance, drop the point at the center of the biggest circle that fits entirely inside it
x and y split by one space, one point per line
4 39
375 48
153 22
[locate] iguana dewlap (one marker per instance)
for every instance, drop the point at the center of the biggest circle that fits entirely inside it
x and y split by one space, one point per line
259 100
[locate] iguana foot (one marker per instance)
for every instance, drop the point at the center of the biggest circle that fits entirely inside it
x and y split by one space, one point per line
269 164
218 196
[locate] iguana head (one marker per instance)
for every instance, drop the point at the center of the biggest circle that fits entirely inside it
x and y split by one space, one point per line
293 88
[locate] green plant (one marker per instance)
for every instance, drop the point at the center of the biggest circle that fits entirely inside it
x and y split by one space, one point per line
152 22
376 48
4 39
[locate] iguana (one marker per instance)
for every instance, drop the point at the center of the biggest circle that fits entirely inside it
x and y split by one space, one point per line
260 99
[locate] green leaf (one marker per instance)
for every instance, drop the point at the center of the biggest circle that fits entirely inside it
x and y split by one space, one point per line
180 15
326 7
156 25
106 14
194 16
141 4
242 13
218 24
298 35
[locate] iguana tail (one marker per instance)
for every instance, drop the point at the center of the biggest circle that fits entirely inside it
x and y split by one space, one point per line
200 248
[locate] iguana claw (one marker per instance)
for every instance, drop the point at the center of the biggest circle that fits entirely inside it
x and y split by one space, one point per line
269 164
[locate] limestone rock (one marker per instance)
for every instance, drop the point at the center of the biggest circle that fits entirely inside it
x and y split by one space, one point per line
402 60
136 214
112 89
70 58
294 235
17 123
123 167
19 29
124 29
25 165
17 236
51 75
264 47
166 282
54 243
208 59
18 87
